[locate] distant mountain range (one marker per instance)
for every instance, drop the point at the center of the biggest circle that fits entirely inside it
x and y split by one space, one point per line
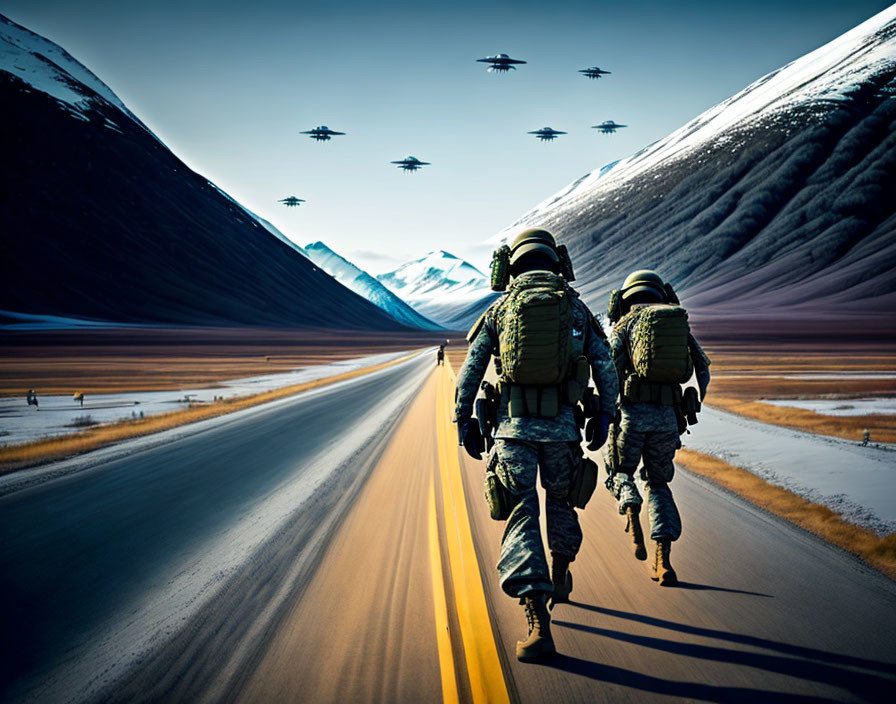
101 222
442 287
778 203
365 285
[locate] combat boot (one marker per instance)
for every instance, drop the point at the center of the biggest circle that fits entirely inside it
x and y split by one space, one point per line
539 644
561 578
633 526
662 568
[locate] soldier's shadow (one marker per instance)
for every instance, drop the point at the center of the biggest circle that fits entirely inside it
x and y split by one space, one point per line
809 664
696 691
739 638
708 587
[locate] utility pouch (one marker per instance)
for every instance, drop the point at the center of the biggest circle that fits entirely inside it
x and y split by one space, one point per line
690 405
583 484
516 403
578 380
496 495
500 268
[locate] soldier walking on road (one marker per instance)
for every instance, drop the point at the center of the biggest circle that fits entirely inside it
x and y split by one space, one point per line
654 353
546 343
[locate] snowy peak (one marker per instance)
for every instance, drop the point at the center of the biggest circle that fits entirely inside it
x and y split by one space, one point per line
365 285
443 287
50 69
435 276
821 79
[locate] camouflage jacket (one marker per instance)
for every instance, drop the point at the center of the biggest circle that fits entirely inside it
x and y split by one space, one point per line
563 427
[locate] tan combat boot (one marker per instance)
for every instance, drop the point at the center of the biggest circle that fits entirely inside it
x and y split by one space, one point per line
662 568
539 644
561 578
633 526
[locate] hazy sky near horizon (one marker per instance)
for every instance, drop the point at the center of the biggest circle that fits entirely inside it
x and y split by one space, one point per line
229 85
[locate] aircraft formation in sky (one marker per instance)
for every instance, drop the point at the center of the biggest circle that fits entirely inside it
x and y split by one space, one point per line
499 63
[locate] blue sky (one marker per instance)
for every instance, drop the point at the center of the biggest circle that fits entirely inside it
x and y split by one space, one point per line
228 86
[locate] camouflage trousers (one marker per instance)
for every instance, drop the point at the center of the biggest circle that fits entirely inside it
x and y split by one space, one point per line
522 566
657 449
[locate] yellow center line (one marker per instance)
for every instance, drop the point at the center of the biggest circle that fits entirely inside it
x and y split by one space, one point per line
484 670
443 637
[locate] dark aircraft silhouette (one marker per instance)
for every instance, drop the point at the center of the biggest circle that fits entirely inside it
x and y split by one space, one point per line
410 163
500 62
546 134
594 72
321 133
292 201
608 127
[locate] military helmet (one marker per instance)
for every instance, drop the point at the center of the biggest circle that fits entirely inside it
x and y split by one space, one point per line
642 281
534 240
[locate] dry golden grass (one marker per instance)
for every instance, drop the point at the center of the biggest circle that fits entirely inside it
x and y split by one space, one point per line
881 427
743 378
50 449
124 360
820 520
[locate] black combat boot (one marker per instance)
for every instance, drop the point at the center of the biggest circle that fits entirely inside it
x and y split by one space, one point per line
539 644
562 579
633 526
662 568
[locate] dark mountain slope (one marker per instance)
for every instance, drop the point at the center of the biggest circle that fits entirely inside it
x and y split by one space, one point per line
102 221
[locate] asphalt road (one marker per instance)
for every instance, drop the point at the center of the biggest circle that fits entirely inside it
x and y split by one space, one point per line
336 547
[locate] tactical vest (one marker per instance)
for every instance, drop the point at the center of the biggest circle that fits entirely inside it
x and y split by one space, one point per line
541 356
659 354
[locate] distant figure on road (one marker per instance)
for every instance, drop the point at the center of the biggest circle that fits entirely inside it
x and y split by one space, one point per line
548 343
866 438
440 356
644 311
31 398
78 396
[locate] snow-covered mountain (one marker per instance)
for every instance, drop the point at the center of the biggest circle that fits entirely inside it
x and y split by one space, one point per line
778 202
442 287
365 285
101 222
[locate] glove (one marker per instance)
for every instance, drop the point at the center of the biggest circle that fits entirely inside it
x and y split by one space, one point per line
596 431
471 437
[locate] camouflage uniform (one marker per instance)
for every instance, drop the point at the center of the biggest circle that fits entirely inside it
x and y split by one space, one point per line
648 431
524 444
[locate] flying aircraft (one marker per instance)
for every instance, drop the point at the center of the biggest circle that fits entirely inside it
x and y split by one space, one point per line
500 62
608 127
594 72
321 133
410 163
546 134
292 201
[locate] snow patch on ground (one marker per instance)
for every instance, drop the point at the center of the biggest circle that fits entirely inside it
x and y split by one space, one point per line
840 407
58 415
859 483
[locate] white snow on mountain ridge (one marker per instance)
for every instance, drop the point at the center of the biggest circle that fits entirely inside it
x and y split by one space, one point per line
825 75
50 69
366 285
439 275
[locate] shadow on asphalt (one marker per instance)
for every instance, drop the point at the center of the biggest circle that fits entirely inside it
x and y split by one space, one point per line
608 674
708 588
869 686
742 639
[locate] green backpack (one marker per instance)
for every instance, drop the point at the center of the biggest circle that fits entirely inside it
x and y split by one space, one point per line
536 332
659 348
